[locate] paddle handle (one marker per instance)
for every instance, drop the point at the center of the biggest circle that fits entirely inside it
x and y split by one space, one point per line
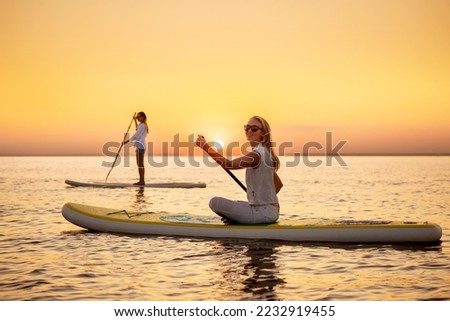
216 158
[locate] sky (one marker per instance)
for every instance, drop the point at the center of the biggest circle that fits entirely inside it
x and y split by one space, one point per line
375 73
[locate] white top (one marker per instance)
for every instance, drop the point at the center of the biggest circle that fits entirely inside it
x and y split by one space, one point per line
139 137
260 180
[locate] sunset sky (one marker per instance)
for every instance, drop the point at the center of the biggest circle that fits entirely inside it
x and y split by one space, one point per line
376 73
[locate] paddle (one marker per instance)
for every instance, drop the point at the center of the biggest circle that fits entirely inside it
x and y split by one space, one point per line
232 175
235 179
121 145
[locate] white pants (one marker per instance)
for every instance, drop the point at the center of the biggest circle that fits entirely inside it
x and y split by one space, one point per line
244 213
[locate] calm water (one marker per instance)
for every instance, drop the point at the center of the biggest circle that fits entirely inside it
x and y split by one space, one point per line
44 257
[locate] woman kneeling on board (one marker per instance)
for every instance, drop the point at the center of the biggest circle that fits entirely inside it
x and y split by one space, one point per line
263 183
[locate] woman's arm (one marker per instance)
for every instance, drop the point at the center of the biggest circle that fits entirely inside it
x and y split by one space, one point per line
252 159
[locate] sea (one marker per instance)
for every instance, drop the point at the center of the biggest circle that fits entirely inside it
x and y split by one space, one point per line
44 257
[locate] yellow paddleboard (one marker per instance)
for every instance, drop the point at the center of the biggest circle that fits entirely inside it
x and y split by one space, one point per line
348 231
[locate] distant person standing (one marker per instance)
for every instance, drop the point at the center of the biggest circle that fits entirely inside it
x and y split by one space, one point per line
140 144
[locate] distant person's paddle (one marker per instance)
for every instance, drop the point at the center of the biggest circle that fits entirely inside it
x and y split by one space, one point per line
121 145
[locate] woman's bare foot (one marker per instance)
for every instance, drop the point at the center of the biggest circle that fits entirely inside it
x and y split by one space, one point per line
139 183
227 221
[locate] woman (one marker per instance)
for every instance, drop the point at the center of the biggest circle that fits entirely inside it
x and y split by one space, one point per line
140 144
263 183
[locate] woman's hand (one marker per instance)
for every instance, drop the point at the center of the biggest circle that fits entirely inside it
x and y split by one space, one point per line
201 141
126 139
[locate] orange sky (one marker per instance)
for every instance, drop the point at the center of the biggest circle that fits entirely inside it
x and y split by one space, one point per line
375 73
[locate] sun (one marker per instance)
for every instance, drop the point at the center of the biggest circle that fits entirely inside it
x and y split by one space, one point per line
219 144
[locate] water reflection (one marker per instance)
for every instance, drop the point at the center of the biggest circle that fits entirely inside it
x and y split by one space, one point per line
402 246
253 270
262 270
248 270
140 201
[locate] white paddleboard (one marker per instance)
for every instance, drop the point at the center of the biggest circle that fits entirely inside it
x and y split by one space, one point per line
347 231
124 185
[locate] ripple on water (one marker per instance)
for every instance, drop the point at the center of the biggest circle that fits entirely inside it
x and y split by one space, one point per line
46 258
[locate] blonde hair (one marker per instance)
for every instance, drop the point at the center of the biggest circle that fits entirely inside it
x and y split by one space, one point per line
145 119
267 140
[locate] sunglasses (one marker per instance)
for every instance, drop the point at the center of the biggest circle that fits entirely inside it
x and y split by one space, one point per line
253 128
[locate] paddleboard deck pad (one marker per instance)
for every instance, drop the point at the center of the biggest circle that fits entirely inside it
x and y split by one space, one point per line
124 185
346 231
